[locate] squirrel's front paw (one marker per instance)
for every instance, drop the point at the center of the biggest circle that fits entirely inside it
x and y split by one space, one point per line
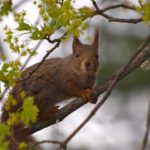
88 96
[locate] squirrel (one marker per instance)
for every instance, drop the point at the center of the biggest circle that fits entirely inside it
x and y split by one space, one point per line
58 79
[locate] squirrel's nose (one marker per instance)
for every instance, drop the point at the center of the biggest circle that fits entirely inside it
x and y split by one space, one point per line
87 64
90 66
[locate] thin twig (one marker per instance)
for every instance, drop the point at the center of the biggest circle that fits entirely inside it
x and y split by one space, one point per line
3 94
42 61
114 19
95 5
33 146
55 40
117 6
60 2
29 58
145 138
111 18
37 21
48 141
52 41
1 50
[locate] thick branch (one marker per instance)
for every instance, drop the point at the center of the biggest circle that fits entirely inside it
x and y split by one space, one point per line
142 55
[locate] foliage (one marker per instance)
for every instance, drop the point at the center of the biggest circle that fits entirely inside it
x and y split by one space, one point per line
29 111
55 16
5 7
18 43
26 114
9 71
144 9
22 146
4 132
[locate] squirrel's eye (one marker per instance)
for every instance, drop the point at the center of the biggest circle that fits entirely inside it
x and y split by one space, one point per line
96 56
76 55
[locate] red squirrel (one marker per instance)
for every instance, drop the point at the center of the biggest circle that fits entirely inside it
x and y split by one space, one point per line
58 79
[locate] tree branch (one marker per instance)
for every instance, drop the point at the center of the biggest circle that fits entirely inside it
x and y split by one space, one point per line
57 41
114 19
142 55
33 146
117 6
42 61
145 138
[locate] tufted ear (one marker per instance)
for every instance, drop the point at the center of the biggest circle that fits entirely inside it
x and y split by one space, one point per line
95 43
76 44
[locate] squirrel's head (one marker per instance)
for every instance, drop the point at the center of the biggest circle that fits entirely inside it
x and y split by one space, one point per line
85 57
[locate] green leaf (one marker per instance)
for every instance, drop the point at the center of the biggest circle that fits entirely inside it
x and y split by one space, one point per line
140 2
35 34
144 9
29 111
23 26
4 58
13 119
10 71
86 11
5 7
4 145
10 102
146 17
4 131
22 146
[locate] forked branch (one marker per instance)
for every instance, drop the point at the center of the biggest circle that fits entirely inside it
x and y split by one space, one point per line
101 12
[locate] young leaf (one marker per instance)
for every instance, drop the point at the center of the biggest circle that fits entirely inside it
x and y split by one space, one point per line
22 146
146 17
4 145
4 131
23 26
29 111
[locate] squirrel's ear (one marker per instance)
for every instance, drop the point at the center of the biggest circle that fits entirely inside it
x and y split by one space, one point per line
76 43
96 39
